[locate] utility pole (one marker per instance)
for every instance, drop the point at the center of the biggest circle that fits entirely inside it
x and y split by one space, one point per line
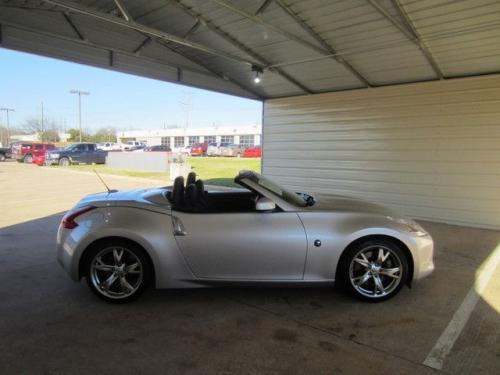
41 125
80 93
7 110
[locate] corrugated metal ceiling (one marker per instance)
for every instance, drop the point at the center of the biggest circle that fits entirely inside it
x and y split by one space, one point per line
303 47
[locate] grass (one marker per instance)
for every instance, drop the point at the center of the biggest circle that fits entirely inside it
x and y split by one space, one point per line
214 171
221 171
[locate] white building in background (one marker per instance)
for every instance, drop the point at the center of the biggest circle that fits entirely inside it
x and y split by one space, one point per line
177 138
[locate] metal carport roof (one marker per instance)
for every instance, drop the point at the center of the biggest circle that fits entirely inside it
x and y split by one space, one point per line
302 47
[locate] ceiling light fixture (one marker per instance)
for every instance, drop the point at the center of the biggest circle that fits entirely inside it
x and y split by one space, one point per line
258 73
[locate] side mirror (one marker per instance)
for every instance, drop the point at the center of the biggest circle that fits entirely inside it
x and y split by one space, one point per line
265 204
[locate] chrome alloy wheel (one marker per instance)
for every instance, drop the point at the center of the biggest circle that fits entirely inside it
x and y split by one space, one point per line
116 272
375 271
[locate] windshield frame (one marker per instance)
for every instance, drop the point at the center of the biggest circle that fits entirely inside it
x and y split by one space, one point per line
270 186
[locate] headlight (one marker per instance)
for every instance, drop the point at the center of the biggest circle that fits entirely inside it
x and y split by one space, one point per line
411 226
53 156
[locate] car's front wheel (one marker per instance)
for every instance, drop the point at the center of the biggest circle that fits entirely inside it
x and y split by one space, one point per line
118 271
64 162
28 159
374 270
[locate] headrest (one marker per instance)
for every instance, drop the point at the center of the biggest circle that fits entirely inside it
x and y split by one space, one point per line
191 178
178 191
200 186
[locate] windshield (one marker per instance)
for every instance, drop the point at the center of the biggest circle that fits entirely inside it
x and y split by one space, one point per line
273 187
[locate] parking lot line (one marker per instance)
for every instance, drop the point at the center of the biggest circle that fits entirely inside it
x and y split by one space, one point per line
444 344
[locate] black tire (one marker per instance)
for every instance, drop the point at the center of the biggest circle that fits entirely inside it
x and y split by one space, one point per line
140 256
361 280
28 159
64 162
2 157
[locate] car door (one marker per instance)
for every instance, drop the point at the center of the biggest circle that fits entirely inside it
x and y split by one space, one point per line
91 154
78 154
242 246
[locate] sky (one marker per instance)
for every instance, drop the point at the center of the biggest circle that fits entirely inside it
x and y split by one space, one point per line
116 100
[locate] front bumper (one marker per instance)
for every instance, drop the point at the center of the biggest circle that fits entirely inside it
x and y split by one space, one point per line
422 249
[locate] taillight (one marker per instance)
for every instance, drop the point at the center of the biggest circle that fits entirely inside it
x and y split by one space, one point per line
68 221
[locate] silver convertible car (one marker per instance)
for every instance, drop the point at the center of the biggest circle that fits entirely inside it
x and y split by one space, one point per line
260 234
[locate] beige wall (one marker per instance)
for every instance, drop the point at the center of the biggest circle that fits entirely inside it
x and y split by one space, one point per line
431 150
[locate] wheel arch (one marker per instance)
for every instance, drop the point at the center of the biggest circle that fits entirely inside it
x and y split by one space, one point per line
84 258
396 240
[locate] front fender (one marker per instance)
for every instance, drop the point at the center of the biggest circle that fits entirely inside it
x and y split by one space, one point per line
336 231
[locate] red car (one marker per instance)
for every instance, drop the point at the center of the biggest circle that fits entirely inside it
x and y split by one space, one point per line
39 160
24 152
199 149
253 152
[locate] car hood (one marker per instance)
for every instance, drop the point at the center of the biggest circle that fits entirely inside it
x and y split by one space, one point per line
151 199
340 203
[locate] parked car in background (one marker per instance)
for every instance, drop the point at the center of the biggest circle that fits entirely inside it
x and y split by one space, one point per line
213 149
109 146
133 145
158 148
39 160
4 153
230 149
253 152
199 149
186 150
24 152
86 153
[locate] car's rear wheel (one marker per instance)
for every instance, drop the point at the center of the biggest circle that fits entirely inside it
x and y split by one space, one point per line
28 159
118 271
2 157
64 162
374 270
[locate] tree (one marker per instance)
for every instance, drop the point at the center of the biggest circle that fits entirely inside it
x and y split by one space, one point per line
49 136
32 125
104 135
74 136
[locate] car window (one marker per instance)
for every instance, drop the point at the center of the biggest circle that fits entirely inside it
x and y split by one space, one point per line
80 147
38 147
91 147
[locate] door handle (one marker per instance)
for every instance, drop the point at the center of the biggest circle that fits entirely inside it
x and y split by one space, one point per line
179 229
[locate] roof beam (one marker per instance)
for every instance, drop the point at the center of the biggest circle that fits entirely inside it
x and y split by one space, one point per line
192 29
77 31
427 53
270 26
73 7
124 12
143 44
242 47
409 31
322 42
263 7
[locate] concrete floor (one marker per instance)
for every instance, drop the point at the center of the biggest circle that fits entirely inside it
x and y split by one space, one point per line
51 325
